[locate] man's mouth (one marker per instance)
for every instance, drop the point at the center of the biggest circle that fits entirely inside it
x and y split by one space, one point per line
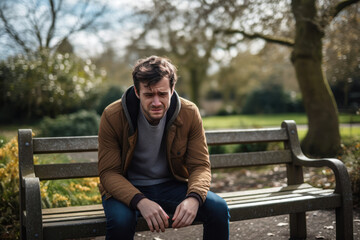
156 109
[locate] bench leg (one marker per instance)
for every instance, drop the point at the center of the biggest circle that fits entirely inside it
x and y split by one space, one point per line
344 223
298 226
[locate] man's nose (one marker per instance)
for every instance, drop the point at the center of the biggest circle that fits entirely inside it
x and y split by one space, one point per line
156 101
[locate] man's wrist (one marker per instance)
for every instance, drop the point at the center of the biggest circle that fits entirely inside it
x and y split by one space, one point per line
196 196
136 199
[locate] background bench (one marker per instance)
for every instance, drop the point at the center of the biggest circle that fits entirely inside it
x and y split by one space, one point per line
86 221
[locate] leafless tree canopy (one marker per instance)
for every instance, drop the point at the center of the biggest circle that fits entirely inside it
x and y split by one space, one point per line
36 24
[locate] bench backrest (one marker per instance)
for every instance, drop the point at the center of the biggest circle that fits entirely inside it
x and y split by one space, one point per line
28 146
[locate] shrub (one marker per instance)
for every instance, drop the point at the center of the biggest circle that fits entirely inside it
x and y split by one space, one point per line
3 141
81 123
43 84
271 98
54 193
252 147
351 157
112 94
217 149
70 192
9 191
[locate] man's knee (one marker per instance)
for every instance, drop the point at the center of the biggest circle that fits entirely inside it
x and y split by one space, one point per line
217 207
120 220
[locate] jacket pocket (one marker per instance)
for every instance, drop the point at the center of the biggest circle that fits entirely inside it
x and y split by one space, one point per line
178 149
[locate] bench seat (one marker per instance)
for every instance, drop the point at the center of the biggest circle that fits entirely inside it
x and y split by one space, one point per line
85 221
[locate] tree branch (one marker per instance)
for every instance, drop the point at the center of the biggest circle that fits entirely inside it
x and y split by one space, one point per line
80 26
340 6
334 11
283 41
12 33
53 13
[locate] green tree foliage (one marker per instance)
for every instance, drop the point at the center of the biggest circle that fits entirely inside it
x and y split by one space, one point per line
40 84
247 71
271 98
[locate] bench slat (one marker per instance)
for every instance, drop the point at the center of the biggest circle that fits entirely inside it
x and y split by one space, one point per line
94 207
75 229
65 144
273 201
79 170
73 216
304 203
90 143
278 197
66 170
267 190
246 136
250 159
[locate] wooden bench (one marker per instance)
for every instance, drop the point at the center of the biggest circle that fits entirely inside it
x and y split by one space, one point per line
87 221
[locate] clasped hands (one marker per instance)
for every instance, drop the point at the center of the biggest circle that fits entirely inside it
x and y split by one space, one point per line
157 219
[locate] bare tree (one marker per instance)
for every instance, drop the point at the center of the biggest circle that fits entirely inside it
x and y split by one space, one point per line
179 30
37 25
297 24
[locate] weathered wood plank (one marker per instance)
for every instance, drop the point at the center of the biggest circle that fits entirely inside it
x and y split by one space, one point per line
246 136
65 144
75 229
250 159
90 143
66 170
284 206
94 207
278 197
73 217
256 194
266 190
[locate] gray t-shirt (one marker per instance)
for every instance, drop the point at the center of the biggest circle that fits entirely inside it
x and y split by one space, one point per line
149 165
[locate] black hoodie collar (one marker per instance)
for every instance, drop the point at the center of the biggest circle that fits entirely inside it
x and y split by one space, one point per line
131 105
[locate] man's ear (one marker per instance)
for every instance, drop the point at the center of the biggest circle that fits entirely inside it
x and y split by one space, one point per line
136 92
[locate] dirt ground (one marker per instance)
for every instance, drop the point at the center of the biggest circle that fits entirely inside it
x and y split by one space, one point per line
320 225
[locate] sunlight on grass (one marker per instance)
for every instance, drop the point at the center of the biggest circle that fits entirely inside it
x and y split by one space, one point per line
258 121
250 121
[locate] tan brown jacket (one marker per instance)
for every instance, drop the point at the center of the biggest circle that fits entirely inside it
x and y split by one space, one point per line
186 147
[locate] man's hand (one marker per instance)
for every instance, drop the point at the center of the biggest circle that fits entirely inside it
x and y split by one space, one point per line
185 212
154 215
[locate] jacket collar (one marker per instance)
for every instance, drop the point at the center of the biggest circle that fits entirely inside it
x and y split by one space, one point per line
131 105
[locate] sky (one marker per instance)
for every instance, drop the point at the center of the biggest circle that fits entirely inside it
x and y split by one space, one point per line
86 44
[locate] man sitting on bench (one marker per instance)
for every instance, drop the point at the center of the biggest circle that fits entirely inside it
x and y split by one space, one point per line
153 159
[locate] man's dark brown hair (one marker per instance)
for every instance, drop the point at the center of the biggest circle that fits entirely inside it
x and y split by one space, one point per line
152 69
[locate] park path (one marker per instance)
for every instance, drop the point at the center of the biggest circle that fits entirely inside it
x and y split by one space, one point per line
320 225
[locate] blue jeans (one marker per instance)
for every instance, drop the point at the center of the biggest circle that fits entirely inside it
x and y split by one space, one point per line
121 220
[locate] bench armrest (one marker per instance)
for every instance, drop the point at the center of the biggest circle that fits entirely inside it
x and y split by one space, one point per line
343 184
32 212
341 174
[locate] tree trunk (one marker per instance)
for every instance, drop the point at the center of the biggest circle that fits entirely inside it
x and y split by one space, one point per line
195 86
323 136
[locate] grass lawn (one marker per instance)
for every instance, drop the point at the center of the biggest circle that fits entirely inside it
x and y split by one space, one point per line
9 131
274 120
257 121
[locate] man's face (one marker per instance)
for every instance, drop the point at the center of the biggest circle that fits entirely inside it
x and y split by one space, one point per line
155 100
